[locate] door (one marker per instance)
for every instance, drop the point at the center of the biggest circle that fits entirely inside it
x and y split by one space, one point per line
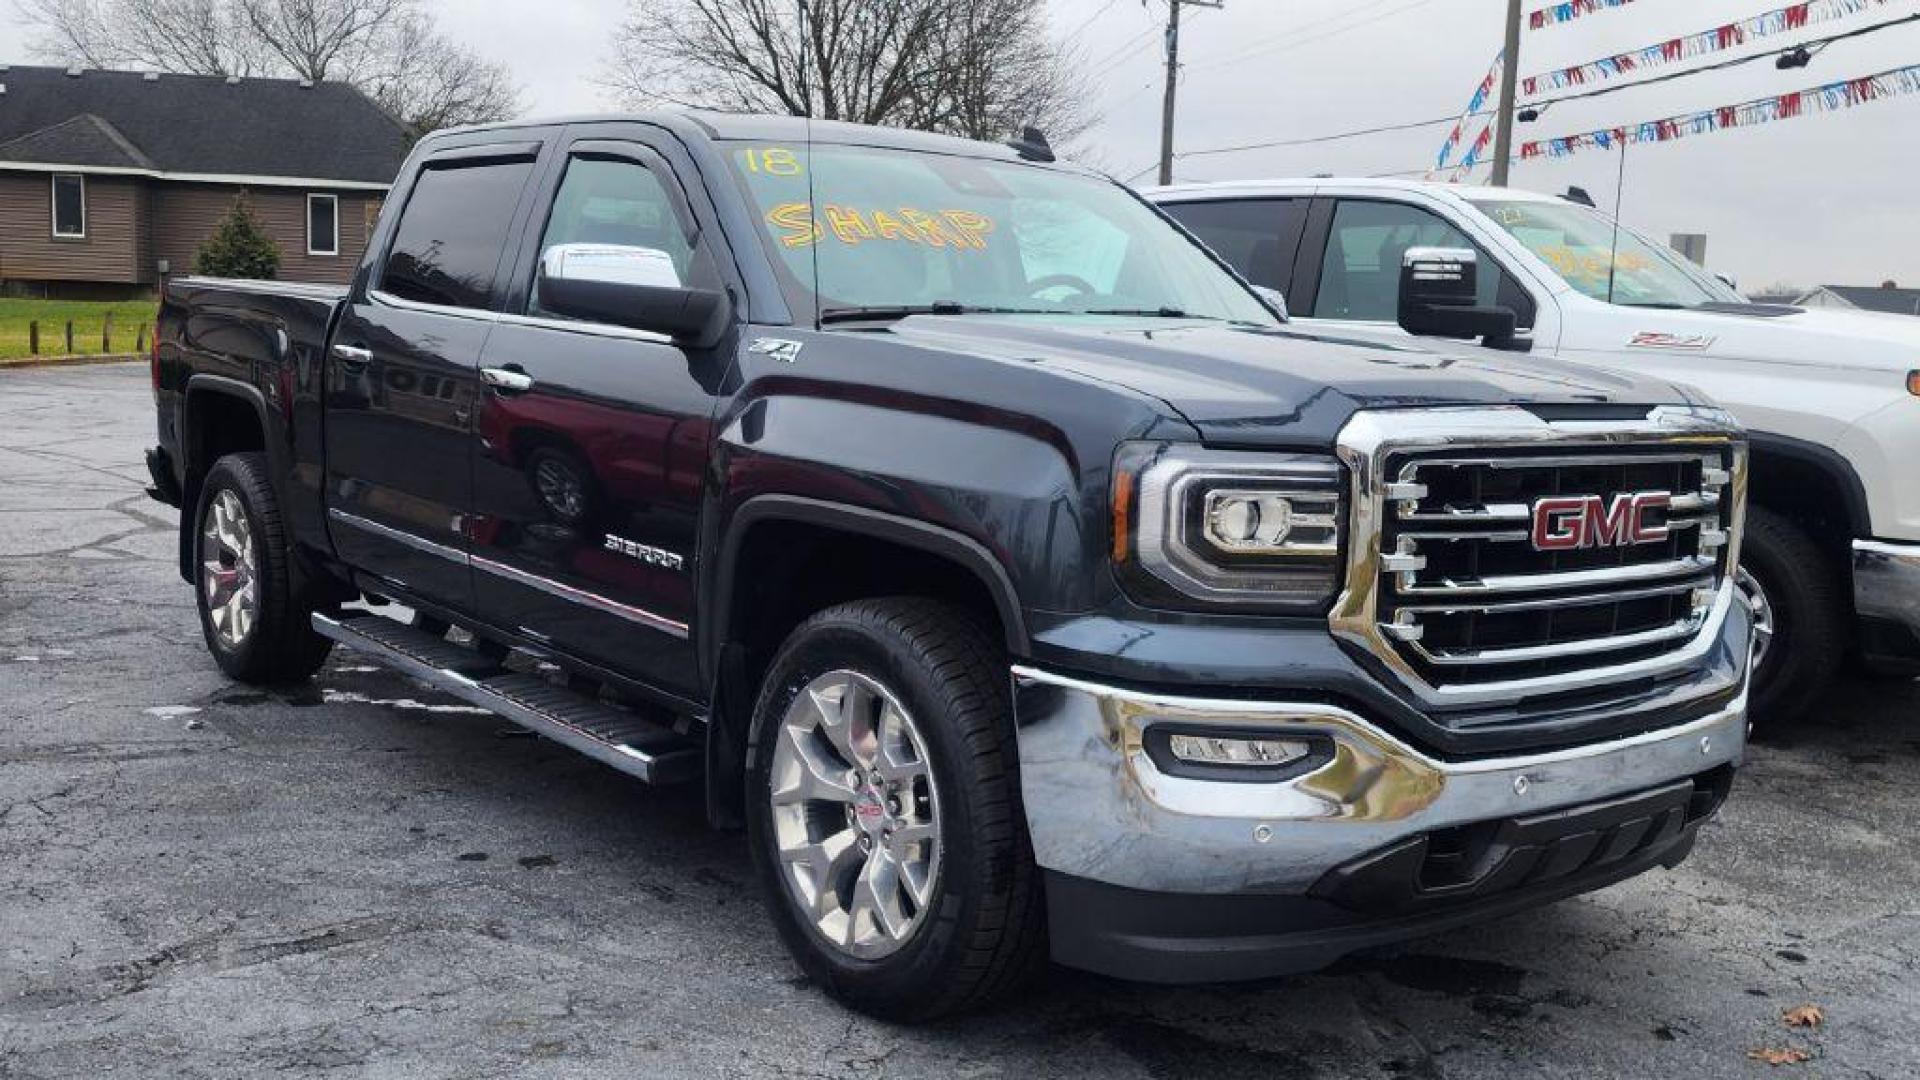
593 439
1351 259
403 379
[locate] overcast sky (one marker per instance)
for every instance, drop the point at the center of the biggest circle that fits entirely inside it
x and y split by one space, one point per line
1828 199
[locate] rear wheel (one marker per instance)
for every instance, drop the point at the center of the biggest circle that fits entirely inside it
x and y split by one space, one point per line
1800 616
885 815
256 628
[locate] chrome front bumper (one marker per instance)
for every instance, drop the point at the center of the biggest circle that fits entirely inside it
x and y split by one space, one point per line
1099 809
1886 582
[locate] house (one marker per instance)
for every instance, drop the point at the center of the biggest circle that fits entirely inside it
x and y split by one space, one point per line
1889 298
110 179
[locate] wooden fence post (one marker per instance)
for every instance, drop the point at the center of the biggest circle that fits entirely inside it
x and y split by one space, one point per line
106 334
140 342
33 337
69 337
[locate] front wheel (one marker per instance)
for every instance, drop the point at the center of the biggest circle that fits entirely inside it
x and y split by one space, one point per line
885 814
1796 595
257 629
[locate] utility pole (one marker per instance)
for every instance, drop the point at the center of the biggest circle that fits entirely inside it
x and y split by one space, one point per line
1509 83
1173 81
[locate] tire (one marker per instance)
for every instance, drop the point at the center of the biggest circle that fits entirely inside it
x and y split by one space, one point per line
978 932
266 636
1805 595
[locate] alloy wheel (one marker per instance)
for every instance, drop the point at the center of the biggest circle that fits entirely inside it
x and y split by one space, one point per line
855 813
1762 610
229 570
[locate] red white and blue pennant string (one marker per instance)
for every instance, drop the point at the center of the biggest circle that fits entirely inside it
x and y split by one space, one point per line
1732 35
1832 97
1475 107
1555 14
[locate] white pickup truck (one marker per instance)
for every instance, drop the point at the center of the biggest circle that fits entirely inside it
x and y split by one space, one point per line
1831 398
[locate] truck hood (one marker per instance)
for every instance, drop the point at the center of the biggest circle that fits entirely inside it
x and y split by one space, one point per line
1253 386
1819 338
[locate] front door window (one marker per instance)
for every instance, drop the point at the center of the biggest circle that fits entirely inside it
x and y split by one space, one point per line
1360 276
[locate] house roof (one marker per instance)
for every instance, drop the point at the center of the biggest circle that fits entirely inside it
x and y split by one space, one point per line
84 140
1879 298
196 125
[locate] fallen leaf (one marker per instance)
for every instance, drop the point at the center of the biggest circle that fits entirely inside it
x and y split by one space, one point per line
1805 1016
1788 1055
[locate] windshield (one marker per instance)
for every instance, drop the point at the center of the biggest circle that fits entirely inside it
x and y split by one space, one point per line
1579 245
860 229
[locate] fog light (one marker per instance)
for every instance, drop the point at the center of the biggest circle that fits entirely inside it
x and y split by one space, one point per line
1216 750
1234 755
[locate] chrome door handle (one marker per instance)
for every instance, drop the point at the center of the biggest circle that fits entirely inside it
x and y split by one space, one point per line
352 357
506 380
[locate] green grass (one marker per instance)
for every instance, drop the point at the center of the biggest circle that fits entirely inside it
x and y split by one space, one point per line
88 319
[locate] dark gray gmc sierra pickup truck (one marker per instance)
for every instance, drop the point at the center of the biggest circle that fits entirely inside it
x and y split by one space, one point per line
998 559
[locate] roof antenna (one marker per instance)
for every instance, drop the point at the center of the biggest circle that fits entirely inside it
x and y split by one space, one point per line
1032 145
1578 195
1619 196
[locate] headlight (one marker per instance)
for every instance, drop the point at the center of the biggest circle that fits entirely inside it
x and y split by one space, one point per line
1230 528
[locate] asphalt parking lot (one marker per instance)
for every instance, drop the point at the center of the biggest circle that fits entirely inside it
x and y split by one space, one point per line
360 878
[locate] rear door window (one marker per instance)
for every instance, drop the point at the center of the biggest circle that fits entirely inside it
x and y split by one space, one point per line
1257 237
452 233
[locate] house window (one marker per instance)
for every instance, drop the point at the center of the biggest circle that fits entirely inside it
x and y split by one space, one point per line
70 206
323 225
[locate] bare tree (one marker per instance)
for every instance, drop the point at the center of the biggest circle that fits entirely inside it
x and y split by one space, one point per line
978 68
390 49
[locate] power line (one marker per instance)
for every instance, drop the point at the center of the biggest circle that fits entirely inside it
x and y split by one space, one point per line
1815 43
1293 41
1332 137
1095 17
1543 105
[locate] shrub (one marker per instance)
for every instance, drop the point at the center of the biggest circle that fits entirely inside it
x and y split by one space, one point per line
239 247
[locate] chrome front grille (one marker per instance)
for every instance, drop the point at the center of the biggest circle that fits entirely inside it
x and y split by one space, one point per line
1468 598
1449 588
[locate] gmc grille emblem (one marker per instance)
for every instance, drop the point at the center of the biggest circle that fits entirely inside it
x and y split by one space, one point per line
1590 521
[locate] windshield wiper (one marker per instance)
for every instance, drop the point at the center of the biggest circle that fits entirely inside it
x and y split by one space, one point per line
889 312
1657 306
1145 313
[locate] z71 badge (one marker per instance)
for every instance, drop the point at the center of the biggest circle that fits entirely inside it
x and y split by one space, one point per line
646 553
1653 340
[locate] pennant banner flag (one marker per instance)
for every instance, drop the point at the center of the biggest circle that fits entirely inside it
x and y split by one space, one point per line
1719 39
1569 10
1478 148
1475 107
1832 97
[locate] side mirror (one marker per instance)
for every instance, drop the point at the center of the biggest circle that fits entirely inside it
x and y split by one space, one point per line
1438 287
636 287
1275 300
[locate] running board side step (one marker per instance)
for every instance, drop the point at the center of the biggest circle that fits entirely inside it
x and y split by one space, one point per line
630 743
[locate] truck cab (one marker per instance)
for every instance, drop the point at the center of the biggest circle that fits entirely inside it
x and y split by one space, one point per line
1832 563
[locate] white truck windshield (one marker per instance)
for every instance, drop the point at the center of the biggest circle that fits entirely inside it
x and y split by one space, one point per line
861 229
1581 247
